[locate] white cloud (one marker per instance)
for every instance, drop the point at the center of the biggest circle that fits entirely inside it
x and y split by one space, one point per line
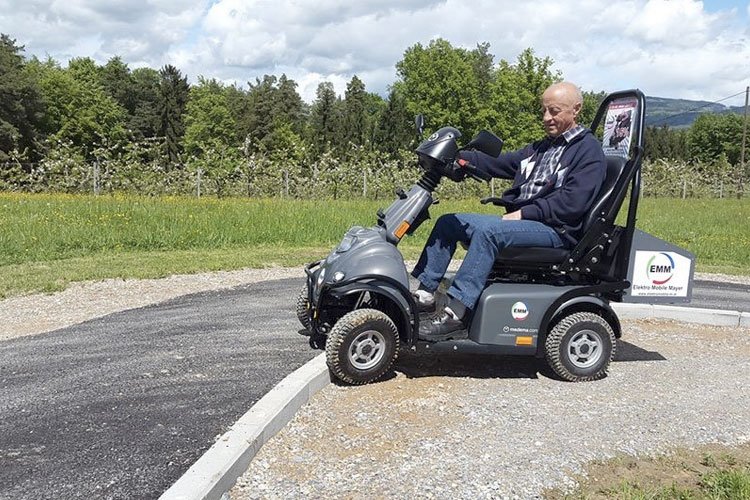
673 48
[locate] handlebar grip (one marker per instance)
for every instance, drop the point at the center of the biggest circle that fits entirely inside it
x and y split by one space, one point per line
475 172
495 201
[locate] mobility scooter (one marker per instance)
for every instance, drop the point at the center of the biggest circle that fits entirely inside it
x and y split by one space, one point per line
544 302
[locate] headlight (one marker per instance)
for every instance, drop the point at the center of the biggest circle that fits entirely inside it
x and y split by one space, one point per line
321 276
346 244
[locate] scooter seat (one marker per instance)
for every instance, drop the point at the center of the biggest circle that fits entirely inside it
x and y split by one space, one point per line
532 255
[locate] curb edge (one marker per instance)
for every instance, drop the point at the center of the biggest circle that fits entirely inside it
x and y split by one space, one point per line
216 471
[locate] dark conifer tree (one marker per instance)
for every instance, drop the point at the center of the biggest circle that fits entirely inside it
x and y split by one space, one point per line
173 94
20 103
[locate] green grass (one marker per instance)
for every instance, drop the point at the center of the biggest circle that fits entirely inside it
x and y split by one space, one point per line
727 484
718 474
716 231
47 241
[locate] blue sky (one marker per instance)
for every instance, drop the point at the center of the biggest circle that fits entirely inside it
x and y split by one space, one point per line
669 48
716 5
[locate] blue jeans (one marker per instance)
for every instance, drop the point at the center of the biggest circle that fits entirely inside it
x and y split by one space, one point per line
487 235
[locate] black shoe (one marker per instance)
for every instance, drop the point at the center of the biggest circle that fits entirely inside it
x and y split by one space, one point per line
442 327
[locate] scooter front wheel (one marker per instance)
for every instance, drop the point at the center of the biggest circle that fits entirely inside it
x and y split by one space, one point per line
362 346
303 309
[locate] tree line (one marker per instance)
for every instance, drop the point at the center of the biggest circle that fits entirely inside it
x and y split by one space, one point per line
109 127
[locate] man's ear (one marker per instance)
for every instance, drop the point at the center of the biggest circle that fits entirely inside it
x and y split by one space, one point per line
577 108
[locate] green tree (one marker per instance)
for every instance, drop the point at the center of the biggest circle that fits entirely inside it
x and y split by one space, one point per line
355 112
326 118
514 111
173 96
270 105
85 71
441 82
288 105
78 110
591 102
395 128
208 121
257 124
20 104
483 65
145 120
664 143
118 82
713 134
211 134
375 106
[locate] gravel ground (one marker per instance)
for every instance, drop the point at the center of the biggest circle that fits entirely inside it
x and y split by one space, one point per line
446 425
458 426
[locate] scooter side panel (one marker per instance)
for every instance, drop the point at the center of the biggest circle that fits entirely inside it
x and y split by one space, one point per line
510 315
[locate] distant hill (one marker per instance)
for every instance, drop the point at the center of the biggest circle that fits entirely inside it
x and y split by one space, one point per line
680 113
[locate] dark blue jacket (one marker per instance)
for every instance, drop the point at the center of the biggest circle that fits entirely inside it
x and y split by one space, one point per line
567 195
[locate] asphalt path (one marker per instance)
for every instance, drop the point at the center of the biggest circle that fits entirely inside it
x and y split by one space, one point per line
718 295
121 406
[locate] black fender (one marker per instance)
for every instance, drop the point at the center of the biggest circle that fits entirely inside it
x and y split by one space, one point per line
576 300
408 320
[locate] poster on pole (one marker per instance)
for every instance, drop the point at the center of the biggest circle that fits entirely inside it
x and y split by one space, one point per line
618 126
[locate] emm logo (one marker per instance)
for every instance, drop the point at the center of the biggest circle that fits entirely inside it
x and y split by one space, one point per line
519 311
660 268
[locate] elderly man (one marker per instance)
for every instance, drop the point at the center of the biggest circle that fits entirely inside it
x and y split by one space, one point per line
555 181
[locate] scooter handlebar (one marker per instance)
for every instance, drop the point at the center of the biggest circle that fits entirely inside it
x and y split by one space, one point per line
471 170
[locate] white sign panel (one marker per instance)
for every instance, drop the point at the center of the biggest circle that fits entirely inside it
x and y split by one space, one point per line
660 274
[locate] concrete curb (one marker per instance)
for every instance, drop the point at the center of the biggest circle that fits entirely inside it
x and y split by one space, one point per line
714 317
217 470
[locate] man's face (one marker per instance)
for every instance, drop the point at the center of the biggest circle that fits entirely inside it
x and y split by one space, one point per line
559 112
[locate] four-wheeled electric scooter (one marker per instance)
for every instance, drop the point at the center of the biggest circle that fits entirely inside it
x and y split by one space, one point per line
544 302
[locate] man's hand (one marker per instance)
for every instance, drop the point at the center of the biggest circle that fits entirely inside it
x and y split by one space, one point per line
513 215
456 172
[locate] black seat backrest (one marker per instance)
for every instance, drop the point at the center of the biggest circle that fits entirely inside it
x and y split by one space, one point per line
615 166
621 120
619 125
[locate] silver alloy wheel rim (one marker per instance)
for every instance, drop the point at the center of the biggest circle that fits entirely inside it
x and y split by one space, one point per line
367 350
585 349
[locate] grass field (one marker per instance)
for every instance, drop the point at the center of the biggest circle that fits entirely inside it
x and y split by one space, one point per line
710 472
47 241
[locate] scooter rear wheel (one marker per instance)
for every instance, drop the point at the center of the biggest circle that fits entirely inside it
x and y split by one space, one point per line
580 347
362 346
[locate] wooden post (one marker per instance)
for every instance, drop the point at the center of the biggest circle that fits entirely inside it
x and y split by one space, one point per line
96 178
198 183
740 184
